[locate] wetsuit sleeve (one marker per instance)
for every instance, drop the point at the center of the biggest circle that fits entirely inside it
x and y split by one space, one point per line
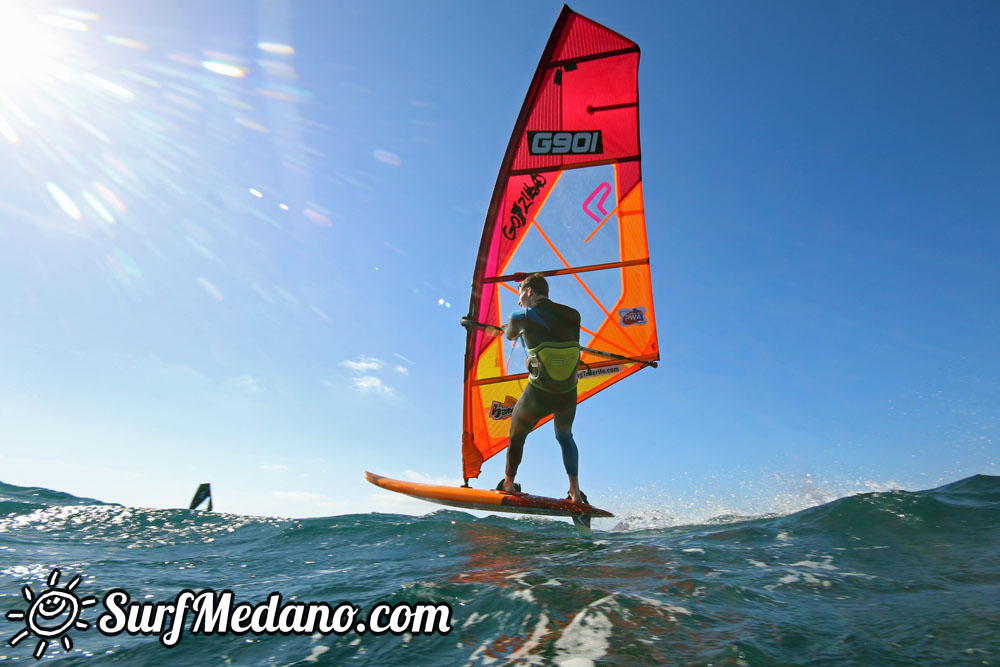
519 314
515 323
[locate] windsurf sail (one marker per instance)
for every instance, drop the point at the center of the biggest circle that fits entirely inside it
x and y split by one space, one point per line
568 204
203 493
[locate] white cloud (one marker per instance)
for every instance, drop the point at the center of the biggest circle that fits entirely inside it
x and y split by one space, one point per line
211 289
402 369
248 384
399 356
396 503
370 384
388 158
323 316
423 478
365 364
366 382
286 295
396 249
263 293
175 372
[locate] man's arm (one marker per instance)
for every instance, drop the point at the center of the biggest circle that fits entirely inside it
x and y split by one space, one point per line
515 325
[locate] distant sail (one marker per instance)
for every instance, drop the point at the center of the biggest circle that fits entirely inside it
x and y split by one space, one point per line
567 203
204 491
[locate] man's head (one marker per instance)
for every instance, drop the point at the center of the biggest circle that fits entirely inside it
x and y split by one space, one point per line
533 288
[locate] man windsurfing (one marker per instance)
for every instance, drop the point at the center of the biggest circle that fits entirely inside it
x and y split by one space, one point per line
550 332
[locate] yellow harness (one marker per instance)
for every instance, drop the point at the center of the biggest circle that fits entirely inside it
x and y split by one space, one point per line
552 366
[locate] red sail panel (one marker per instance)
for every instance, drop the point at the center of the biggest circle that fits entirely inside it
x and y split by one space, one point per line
567 203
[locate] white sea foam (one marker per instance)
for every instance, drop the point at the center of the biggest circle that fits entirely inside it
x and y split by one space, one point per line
473 617
730 498
670 609
587 637
523 594
523 654
824 565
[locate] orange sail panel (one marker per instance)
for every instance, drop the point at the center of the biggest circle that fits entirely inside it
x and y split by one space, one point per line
567 203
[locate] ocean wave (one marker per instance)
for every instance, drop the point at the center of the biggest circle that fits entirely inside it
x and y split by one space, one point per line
895 577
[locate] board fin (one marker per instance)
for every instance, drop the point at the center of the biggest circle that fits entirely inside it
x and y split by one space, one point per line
204 492
582 523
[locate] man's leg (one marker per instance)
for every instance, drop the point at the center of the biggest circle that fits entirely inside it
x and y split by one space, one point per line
527 413
563 423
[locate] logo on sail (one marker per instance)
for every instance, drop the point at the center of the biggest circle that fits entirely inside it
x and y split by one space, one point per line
630 316
595 372
500 411
562 143
521 210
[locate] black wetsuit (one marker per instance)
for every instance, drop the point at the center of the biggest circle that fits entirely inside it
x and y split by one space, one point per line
545 322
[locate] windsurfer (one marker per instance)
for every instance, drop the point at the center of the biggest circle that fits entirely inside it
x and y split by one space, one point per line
551 333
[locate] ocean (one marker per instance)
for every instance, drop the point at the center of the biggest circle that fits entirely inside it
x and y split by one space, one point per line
893 578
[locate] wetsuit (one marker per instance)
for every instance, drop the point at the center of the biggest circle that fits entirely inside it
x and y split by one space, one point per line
551 332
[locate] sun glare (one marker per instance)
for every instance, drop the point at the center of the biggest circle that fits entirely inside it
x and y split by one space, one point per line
26 49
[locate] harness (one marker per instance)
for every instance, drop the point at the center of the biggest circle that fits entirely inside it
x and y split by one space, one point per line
552 366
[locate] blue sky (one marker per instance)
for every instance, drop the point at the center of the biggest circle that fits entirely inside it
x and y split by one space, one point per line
258 278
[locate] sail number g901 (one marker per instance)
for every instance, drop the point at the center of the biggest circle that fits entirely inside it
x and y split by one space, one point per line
561 143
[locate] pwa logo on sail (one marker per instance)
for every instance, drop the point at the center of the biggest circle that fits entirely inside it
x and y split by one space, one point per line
630 316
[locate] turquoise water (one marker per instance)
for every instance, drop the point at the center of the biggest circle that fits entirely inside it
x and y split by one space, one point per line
879 578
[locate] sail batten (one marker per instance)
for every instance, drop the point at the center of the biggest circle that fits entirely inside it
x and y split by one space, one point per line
578 165
518 277
568 204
